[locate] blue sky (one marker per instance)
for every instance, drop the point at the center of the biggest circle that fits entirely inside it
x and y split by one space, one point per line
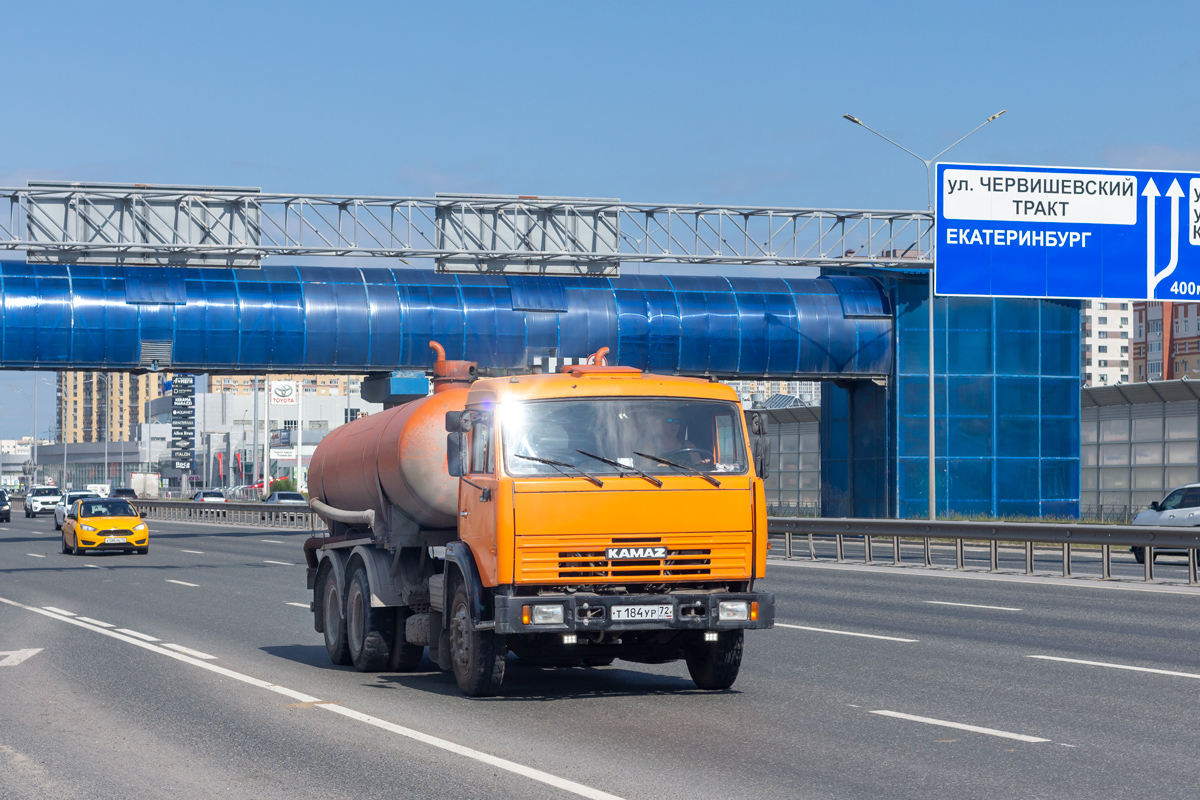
654 101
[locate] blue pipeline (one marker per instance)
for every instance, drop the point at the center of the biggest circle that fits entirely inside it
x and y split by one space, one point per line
321 319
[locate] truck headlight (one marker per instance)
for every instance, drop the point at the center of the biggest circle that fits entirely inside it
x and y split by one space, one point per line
548 615
733 611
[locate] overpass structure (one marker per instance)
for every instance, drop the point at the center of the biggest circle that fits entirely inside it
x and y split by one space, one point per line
137 277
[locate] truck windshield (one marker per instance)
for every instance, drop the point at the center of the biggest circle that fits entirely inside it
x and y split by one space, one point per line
703 435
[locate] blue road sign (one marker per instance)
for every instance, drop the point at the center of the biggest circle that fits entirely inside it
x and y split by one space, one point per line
1066 232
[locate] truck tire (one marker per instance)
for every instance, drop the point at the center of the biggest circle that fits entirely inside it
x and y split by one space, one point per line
476 657
715 665
335 623
404 657
368 630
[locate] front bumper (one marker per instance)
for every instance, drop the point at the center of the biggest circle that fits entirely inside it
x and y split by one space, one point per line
593 613
93 543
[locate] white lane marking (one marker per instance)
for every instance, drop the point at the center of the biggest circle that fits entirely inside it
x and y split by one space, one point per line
844 633
93 566
280 563
502 763
91 621
58 611
136 635
178 648
443 744
17 656
35 555
272 541
299 605
181 583
195 552
972 605
1119 666
1020 737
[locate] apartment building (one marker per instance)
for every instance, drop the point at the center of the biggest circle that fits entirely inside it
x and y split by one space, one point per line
1105 339
808 391
1166 341
93 406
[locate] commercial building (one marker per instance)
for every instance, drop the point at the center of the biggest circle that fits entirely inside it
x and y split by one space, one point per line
1105 338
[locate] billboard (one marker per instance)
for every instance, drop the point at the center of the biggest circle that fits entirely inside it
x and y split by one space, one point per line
283 393
1019 231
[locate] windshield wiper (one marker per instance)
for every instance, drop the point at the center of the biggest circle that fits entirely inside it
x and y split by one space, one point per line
619 465
660 460
557 464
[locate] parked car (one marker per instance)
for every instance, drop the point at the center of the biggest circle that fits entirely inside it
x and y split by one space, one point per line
209 496
1179 509
287 498
5 507
128 494
104 524
68 500
41 499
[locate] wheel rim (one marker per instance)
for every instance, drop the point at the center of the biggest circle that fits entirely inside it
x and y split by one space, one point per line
355 617
333 613
460 639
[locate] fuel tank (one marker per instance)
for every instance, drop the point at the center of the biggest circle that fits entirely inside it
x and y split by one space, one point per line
397 457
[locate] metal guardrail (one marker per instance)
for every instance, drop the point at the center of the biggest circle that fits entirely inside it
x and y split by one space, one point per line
1029 533
258 515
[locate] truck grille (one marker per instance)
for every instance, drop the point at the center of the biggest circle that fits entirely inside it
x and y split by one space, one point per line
688 556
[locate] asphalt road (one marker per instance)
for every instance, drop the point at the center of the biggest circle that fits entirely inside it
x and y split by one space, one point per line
1077 690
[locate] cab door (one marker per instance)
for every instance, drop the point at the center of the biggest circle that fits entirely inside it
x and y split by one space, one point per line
477 497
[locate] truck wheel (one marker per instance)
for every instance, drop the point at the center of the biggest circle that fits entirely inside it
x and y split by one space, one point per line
477 657
715 665
404 657
368 630
335 623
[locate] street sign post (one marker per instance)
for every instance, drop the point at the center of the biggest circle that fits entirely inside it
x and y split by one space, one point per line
1067 233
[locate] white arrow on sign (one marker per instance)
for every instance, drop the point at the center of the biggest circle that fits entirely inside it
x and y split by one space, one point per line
16 656
1153 278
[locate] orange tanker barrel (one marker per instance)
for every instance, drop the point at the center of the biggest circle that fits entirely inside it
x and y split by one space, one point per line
397 457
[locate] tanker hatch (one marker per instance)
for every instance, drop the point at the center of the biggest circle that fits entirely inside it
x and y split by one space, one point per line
451 374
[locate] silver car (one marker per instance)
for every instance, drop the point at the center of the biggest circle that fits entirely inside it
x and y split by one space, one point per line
1179 509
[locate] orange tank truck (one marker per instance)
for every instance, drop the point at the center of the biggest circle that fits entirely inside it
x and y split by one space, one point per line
571 518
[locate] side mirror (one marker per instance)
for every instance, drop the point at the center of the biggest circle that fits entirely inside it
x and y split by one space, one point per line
1154 506
458 421
760 445
455 456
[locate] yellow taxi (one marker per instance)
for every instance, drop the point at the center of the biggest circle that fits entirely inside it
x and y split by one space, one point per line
97 523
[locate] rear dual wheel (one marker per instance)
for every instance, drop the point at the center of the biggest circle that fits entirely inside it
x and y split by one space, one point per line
369 631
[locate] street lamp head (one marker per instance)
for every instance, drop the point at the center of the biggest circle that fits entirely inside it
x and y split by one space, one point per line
858 121
997 114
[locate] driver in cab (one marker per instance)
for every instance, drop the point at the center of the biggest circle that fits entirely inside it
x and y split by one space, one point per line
673 445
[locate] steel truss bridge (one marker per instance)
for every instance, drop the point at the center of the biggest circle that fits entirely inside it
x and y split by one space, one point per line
128 224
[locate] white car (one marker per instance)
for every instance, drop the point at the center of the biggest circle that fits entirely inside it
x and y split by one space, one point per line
41 499
1179 509
68 500
209 496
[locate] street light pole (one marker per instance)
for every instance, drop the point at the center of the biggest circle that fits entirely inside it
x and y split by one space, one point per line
928 162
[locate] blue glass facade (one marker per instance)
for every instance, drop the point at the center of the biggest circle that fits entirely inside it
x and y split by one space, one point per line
1007 412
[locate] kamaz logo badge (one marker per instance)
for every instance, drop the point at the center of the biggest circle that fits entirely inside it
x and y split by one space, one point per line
620 553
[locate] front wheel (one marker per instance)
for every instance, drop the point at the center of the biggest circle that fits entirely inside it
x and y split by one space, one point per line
715 665
368 630
66 548
141 551
335 623
477 657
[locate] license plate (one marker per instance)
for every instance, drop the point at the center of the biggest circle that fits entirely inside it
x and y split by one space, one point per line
632 613
114 540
